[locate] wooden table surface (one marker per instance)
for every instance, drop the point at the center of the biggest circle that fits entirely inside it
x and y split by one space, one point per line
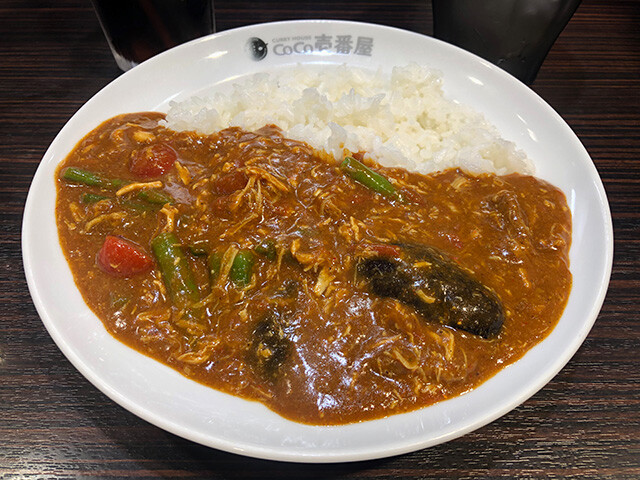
584 424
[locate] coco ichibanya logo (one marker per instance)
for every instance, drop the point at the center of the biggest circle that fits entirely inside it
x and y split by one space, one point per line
308 44
257 48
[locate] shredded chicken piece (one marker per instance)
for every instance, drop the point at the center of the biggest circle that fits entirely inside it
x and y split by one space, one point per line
464 354
523 275
309 260
76 211
138 186
346 231
199 356
118 134
70 225
346 331
170 213
226 263
259 200
238 226
295 246
384 341
160 285
200 203
143 136
101 218
324 279
330 208
156 318
449 346
281 251
183 173
459 182
438 370
395 353
278 183
355 228
424 297
200 183
193 328
237 198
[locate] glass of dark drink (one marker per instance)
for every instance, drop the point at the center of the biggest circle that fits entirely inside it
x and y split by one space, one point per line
139 29
516 35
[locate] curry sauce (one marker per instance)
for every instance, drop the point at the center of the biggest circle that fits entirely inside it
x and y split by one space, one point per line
248 269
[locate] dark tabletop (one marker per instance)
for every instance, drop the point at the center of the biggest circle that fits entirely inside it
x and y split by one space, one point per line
584 424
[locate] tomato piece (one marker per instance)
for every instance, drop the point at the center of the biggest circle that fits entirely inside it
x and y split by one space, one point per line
152 161
384 249
229 183
122 258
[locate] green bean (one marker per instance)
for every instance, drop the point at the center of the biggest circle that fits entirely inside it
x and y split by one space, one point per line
155 196
199 248
175 269
367 177
85 177
139 206
241 268
214 261
92 198
266 247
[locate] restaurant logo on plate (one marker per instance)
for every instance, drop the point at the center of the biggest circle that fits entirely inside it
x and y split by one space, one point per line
311 44
257 48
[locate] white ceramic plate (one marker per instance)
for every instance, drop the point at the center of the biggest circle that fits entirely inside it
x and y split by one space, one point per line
165 398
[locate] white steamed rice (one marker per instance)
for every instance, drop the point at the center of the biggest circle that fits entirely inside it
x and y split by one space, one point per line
401 119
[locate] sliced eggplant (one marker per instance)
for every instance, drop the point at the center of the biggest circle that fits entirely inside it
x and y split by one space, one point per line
270 347
438 288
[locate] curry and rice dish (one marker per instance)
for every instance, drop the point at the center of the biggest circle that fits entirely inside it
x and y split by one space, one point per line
332 290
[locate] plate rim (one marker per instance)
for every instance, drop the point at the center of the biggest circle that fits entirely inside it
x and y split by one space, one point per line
276 453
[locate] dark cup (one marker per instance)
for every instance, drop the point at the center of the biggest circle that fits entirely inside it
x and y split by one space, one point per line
139 29
516 35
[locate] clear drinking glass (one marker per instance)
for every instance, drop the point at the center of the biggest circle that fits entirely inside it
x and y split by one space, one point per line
516 35
139 29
